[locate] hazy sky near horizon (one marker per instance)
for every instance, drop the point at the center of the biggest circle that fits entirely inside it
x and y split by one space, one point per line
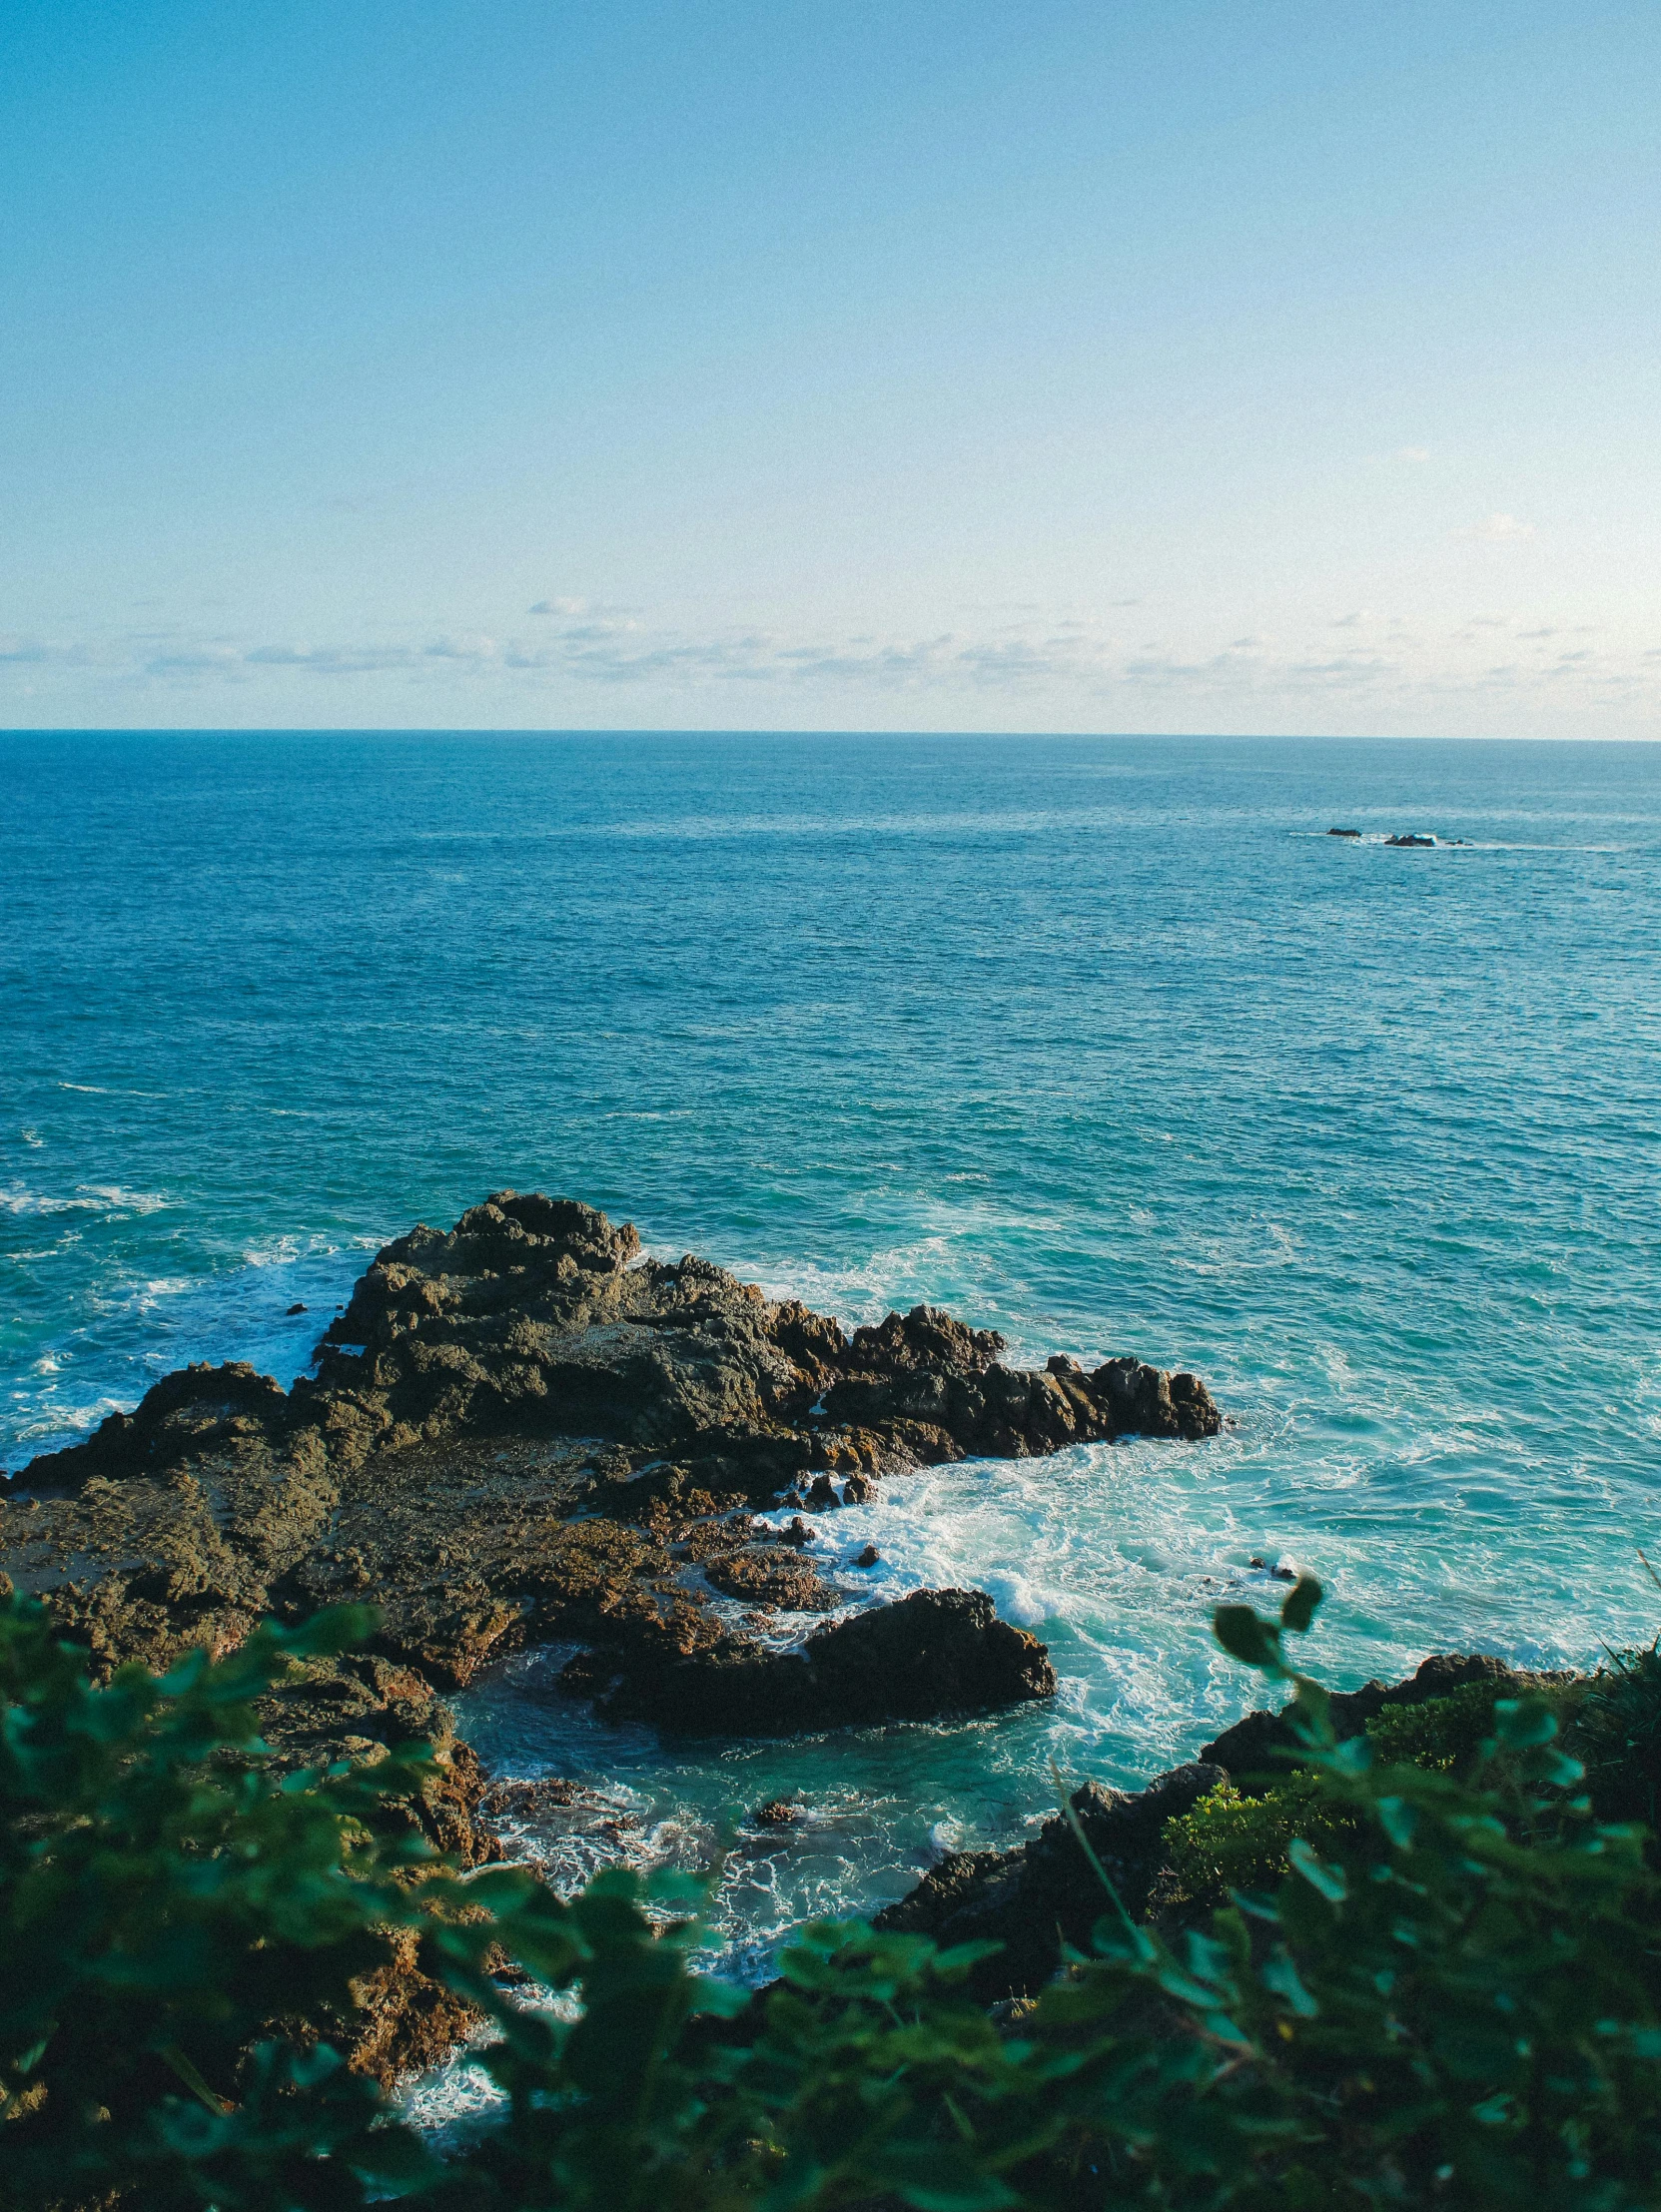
1164 366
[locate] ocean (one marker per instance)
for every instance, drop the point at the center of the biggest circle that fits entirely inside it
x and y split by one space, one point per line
1103 1042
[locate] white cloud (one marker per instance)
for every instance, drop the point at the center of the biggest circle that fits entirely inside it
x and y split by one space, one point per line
1043 669
1498 527
329 660
35 652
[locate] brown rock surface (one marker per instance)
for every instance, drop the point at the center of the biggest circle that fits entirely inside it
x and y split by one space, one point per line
522 1429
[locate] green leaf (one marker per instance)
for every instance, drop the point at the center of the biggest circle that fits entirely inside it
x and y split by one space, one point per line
1522 1723
1556 1768
1245 1636
398 2161
722 2000
1330 1881
1398 1820
1311 1711
1300 1608
1354 1756
1278 1973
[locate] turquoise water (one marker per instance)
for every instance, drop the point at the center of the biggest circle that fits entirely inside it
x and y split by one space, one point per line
1103 1042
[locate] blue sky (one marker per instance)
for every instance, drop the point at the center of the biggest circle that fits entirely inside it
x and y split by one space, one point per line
1036 367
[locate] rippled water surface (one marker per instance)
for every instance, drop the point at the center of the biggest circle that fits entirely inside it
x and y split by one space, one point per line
1105 1044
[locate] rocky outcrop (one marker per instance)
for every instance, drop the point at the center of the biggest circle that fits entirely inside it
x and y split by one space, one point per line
531 1320
1257 1748
934 1652
772 1575
521 1428
1045 1895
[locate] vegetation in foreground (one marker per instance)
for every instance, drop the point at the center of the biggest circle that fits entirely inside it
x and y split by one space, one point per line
1433 1979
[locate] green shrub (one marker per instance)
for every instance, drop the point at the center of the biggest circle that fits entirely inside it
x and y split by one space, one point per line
1234 1842
1443 1735
162 1914
1453 1997
1616 1731
1233 1839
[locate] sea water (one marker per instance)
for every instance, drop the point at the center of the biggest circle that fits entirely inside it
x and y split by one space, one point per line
1103 1042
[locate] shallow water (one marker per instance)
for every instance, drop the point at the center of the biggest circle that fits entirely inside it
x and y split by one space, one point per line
1103 1042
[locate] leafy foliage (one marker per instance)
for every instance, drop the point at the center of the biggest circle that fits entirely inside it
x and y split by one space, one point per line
1231 1841
1617 1733
1239 1840
1451 1997
1446 1735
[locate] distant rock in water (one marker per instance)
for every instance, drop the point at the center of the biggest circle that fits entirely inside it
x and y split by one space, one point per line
777 1813
1344 833
520 1429
1414 839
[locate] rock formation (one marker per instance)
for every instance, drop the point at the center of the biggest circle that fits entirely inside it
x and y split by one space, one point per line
936 1650
1045 1894
522 1430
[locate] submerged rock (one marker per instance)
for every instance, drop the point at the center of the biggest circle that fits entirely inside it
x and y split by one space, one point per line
778 1813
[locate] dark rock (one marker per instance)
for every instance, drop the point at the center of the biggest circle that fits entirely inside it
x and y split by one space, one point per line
858 1490
869 1557
1040 1894
822 1496
1143 1401
1344 833
938 1651
535 1799
1412 839
798 1533
1043 1894
777 1813
292 1310
193 1410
